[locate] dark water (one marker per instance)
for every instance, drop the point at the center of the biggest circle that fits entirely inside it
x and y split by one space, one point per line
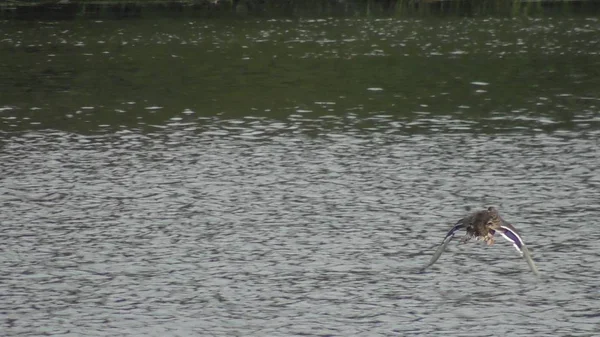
289 177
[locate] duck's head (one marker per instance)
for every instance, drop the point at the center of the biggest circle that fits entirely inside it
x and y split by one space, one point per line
495 220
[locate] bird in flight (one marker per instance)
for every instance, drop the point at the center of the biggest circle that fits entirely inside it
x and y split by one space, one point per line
484 225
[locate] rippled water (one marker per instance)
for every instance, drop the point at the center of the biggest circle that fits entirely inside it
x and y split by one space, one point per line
87 75
294 211
181 232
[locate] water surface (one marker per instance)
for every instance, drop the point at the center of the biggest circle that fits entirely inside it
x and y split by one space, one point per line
289 177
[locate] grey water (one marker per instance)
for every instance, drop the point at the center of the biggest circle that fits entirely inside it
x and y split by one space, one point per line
278 177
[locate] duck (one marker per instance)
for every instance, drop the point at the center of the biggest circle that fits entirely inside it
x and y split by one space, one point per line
484 225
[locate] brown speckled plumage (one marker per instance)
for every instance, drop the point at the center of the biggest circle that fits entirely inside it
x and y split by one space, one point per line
479 224
484 225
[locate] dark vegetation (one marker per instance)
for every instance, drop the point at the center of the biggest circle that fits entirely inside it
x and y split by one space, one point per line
119 9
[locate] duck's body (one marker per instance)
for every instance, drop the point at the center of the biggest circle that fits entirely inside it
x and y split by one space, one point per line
484 225
476 224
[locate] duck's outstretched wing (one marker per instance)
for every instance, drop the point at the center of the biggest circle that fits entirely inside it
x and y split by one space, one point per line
458 226
509 232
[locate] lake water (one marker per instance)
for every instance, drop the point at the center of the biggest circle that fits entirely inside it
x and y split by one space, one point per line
281 177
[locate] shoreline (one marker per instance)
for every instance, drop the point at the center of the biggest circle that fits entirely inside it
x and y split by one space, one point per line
121 9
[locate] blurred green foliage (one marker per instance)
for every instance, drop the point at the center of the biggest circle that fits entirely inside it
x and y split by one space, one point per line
106 9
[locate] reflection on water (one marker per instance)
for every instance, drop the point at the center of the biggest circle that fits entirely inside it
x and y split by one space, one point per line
278 178
82 75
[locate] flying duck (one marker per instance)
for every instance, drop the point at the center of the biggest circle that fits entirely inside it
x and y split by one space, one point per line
484 225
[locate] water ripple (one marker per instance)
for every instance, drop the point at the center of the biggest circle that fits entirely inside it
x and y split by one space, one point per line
178 232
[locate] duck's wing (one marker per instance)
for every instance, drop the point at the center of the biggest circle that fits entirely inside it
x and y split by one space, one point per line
509 232
458 226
